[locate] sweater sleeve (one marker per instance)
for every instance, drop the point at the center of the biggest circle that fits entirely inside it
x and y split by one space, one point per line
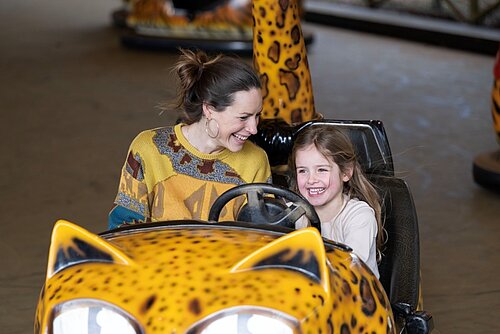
131 203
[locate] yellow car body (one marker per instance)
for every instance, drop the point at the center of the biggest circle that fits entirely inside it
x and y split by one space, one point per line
195 277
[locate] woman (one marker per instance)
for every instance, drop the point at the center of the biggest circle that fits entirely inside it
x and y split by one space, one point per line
177 172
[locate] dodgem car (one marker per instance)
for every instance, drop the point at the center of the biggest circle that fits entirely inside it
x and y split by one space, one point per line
199 277
258 276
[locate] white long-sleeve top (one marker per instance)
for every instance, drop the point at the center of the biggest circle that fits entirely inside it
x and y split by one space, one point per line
356 226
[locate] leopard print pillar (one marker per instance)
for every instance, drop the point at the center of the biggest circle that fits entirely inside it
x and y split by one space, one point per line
279 55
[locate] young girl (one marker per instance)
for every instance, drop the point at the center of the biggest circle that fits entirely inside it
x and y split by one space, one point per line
325 171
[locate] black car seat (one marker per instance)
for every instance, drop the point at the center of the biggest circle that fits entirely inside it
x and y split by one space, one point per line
400 265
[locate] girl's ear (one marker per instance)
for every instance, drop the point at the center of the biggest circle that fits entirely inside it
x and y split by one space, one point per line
347 173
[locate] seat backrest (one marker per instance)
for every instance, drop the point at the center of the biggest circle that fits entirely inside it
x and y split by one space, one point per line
369 138
400 265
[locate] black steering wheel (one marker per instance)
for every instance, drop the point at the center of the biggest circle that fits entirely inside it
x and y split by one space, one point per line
260 209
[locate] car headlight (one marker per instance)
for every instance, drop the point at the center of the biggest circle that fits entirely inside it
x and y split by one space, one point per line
246 321
91 316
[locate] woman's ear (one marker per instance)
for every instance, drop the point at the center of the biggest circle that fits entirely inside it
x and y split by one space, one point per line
347 173
207 110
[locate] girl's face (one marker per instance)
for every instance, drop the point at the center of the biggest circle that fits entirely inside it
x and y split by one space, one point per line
319 179
238 121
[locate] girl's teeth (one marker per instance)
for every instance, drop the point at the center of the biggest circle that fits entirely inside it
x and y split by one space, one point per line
315 191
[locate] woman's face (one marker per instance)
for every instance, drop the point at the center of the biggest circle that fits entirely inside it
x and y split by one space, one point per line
238 121
319 179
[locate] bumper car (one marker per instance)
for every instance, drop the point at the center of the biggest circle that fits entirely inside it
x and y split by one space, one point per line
211 25
254 275
206 277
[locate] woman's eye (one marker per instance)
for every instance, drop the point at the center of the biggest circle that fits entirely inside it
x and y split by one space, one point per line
246 117
301 171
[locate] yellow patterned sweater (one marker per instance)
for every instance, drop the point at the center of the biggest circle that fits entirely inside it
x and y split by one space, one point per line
166 178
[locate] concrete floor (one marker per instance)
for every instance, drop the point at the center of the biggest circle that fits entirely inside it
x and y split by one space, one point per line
71 99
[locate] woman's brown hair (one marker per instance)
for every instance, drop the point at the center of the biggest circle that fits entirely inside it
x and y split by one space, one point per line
210 80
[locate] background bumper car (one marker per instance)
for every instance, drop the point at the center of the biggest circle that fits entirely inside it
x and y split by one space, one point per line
215 25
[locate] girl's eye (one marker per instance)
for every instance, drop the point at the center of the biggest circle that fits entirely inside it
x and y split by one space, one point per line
301 171
323 170
243 118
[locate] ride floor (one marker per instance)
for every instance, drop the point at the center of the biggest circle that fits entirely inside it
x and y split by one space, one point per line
72 98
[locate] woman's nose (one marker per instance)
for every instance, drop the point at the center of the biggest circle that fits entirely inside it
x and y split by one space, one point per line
252 125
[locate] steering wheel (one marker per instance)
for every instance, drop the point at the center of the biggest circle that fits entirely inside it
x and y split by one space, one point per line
268 210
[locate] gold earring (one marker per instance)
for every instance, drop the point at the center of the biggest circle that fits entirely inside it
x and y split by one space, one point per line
209 131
